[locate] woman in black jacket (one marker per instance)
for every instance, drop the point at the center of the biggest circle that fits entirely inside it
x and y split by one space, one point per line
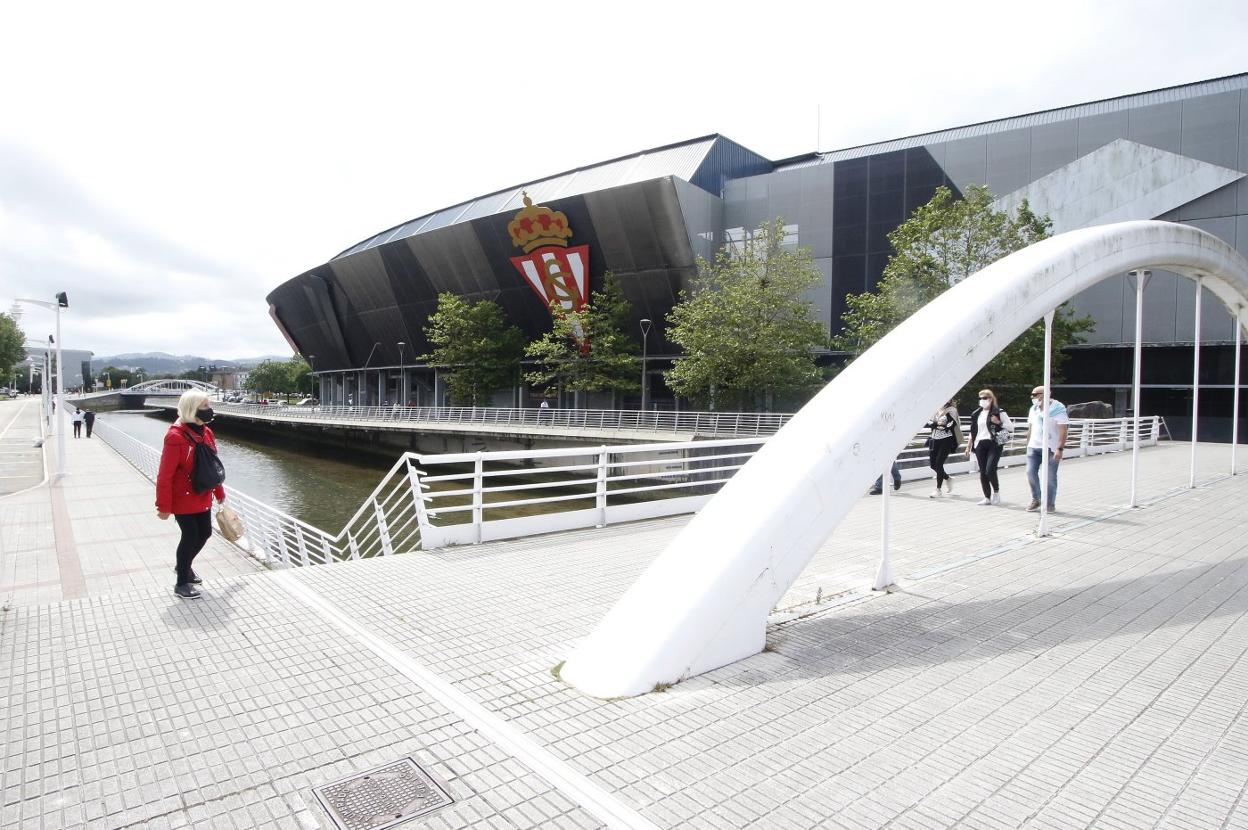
990 430
944 439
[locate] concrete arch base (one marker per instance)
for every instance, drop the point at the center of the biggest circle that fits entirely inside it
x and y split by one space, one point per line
704 601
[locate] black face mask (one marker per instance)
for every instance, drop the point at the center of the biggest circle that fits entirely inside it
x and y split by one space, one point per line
205 415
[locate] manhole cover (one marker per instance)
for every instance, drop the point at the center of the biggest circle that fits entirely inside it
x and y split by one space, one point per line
383 797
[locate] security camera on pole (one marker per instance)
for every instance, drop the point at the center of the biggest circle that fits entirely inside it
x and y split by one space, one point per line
62 301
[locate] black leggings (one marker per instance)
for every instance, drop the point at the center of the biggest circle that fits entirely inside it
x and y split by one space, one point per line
196 528
937 453
988 453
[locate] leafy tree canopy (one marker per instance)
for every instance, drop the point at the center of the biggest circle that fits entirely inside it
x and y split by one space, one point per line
746 327
280 377
588 350
942 243
12 345
474 346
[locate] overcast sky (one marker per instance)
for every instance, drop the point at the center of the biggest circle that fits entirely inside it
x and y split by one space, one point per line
169 164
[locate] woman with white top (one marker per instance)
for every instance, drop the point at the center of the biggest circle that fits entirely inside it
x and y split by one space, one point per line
990 430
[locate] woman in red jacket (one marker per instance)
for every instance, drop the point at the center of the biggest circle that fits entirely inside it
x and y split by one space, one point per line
174 493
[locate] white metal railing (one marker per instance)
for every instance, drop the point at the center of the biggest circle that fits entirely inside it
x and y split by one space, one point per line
615 484
551 490
692 423
385 523
592 487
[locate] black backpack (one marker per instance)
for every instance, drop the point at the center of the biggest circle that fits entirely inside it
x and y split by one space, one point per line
207 471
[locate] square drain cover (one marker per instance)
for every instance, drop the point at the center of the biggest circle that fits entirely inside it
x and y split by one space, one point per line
383 797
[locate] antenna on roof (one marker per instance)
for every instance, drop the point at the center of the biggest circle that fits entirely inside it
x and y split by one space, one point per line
818 126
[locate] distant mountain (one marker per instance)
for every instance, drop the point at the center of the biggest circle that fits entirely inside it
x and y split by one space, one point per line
165 363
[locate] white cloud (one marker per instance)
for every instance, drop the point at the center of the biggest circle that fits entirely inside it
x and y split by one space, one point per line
151 151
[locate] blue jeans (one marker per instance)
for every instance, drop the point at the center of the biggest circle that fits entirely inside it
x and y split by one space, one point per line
1033 475
879 482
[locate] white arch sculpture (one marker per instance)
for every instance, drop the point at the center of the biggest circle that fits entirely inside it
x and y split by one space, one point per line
703 603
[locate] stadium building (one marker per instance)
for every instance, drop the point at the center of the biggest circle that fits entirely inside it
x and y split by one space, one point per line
1179 154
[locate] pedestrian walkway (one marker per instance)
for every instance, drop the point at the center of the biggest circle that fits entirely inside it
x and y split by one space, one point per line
21 457
1095 678
94 532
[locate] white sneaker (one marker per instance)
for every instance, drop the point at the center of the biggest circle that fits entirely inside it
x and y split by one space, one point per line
949 485
996 498
984 500
935 494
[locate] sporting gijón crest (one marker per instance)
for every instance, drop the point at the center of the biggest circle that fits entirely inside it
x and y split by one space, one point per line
557 273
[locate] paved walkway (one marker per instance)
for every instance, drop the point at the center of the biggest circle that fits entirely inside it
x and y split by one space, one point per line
1096 678
94 532
21 457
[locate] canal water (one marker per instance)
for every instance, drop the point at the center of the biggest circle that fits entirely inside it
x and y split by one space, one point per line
323 487
319 485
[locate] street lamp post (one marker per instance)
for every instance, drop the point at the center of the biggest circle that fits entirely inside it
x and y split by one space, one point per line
61 301
402 377
645 342
312 364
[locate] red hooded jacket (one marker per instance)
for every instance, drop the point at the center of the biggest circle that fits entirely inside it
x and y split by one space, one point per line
173 481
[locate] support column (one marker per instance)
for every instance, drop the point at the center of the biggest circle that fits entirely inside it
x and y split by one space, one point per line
1043 528
884 576
1239 343
1200 282
1141 278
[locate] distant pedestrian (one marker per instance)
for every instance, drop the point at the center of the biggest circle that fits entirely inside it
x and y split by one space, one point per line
878 487
88 418
77 417
946 435
186 443
990 432
1058 424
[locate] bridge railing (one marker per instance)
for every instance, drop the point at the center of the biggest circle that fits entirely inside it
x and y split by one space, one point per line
621 420
386 522
611 484
432 501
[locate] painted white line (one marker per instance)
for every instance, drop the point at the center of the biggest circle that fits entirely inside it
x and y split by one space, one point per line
601 804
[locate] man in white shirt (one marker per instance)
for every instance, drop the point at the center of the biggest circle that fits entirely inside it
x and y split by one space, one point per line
1058 424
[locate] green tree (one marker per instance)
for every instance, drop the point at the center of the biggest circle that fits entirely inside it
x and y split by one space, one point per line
276 377
12 346
942 243
301 375
474 345
588 350
745 327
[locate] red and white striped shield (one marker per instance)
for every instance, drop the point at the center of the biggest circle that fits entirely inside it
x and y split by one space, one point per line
557 275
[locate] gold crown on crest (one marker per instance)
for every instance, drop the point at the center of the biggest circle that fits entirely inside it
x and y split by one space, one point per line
535 226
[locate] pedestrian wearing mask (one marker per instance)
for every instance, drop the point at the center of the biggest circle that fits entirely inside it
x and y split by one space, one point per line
1058 424
945 437
188 478
990 432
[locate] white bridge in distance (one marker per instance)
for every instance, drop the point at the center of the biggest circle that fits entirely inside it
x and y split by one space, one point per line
169 388
703 603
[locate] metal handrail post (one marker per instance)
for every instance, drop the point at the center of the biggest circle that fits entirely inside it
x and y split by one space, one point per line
884 574
477 496
1239 342
1042 529
601 486
1191 482
1140 278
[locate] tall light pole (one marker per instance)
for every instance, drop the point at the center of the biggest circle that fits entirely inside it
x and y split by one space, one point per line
61 301
312 364
645 342
402 376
